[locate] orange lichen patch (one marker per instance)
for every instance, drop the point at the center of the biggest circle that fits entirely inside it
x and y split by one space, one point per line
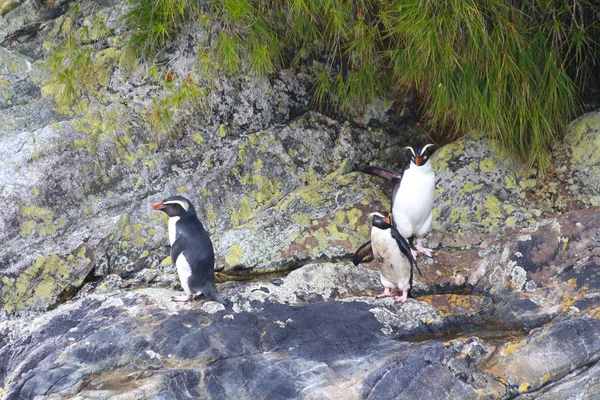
454 304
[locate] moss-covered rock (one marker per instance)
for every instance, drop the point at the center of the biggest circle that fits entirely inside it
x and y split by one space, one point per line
578 160
480 192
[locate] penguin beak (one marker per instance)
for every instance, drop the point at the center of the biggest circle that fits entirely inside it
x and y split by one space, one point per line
158 205
387 220
418 160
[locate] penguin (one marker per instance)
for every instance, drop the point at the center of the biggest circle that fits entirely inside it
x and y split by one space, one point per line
393 257
412 197
191 249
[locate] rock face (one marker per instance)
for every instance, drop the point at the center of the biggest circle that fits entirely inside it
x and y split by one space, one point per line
507 308
274 185
527 327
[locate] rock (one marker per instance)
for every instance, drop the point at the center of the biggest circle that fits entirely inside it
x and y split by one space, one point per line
479 193
578 159
482 192
78 183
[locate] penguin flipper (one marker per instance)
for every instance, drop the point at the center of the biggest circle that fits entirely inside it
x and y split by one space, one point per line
362 253
383 173
405 248
177 248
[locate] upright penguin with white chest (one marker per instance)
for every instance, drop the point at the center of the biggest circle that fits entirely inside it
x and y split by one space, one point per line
393 257
412 198
191 249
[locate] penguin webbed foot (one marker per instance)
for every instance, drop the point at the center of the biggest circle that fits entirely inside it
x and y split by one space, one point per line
419 248
183 298
403 298
386 293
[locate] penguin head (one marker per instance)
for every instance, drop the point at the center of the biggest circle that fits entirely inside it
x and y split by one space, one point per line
421 153
175 206
382 220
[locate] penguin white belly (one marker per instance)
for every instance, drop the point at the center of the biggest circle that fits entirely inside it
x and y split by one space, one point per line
184 271
413 203
395 268
172 230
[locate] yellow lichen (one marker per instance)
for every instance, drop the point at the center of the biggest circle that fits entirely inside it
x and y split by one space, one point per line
511 348
524 387
233 257
27 227
492 206
470 187
487 165
221 132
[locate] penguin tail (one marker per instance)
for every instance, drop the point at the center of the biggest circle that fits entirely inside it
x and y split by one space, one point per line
212 293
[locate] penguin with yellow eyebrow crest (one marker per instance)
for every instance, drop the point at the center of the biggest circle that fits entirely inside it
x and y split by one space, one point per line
191 249
393 257
412 197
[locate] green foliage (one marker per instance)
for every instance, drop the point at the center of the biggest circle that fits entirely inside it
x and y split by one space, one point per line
66 65
509 68
155 22
184 98
73 67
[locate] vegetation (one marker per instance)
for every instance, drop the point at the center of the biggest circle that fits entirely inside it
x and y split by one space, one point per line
512 69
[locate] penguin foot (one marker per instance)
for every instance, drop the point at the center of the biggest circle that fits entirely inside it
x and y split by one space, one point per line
421 249
402 299
183 298
386 292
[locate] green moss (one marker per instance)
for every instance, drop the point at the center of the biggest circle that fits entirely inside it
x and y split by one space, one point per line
508 208
443 156
27 227
300 219
492 206
39 284
48 229
311 196
233 257
245 209
353 217
470 187
267 191
487 165
221 132
82 107
511 221
37 212
457 214
310 177
197 138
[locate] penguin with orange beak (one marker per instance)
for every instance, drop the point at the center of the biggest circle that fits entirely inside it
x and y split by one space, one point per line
191 249
393 257
412 197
